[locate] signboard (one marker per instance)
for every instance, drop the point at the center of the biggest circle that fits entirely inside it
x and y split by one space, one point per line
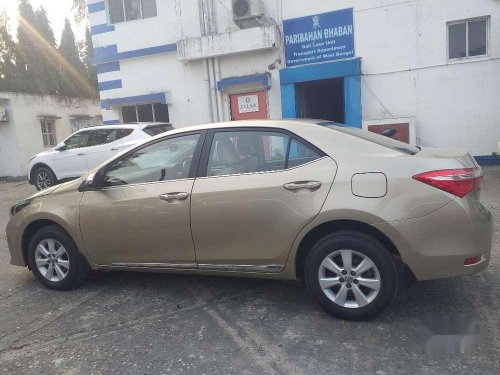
248 104
319 38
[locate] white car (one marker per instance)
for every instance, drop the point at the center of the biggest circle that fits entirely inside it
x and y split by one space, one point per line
86 149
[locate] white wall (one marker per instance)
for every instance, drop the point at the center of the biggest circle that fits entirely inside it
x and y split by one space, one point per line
21 137
403 46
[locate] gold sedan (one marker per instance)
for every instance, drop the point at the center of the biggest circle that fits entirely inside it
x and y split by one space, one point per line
338 207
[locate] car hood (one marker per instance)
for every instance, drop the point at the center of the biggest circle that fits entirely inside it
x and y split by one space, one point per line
64 187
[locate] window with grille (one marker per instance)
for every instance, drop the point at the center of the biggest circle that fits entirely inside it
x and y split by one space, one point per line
48 133
130 10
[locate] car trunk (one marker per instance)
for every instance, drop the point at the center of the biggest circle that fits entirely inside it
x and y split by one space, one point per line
462 156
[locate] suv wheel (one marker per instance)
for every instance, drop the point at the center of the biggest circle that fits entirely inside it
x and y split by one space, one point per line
351 275
54 259
44 178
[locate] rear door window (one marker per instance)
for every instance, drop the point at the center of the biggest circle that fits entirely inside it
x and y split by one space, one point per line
301 154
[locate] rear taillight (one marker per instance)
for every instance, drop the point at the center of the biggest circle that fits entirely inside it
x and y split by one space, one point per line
459 182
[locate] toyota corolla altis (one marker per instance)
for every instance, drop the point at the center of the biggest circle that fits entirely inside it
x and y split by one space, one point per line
340 208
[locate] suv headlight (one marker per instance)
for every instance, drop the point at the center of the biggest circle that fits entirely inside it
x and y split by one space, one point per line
19 206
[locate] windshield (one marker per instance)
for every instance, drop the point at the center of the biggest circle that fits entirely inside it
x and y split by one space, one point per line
372 137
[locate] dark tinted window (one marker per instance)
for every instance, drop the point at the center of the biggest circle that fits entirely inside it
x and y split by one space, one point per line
477 38
133 9
103 136
129 114
301 154
157 129
78 140
116 12
122 133
161 112
148 8
457 42
145 112
372 137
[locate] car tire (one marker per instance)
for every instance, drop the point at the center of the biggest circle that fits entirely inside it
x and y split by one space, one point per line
43 178
360 290
54 259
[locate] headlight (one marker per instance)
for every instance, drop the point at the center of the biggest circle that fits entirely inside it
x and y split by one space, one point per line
19 206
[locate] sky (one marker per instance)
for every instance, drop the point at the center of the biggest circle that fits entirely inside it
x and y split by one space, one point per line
57 11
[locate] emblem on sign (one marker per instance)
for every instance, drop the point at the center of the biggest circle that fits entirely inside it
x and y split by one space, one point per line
316 24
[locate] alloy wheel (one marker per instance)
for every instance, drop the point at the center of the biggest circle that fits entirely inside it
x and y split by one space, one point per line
349 279
43 180
52 260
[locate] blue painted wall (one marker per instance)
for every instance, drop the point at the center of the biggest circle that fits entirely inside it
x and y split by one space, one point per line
350 70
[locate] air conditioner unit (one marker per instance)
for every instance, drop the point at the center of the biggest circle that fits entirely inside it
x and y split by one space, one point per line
246 13
3 115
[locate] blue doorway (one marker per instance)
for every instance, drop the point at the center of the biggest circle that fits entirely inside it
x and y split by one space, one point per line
304 91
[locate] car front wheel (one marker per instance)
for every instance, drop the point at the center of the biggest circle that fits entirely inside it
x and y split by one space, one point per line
351 275
44 178
54 259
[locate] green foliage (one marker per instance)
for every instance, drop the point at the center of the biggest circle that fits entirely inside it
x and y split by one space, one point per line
35 64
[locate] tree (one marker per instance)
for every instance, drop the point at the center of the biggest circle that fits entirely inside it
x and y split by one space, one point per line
26 46
80 10
72 68
8 56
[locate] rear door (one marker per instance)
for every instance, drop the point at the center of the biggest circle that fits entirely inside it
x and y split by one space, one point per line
105 144
254 196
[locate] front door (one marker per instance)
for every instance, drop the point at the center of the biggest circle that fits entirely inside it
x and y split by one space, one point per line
253 200
71 161
249 106
141 217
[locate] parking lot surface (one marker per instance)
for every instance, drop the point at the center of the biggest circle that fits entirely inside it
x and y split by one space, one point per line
177 324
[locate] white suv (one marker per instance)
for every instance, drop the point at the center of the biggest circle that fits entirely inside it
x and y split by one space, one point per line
86 149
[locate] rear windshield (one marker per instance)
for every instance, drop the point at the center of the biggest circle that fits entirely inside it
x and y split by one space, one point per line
157 129
381 140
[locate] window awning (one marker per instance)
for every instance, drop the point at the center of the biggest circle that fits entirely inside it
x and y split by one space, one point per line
138 99
263 80
49 117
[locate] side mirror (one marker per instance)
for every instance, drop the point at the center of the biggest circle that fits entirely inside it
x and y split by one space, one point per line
60 147
90 183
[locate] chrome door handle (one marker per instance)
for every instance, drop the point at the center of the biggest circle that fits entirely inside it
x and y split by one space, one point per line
170 197
302 185
81 154
115 148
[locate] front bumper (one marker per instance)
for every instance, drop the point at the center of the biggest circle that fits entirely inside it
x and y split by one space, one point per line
435 246
14 231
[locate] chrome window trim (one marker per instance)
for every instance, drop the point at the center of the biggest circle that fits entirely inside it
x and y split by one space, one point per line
145 184
264 172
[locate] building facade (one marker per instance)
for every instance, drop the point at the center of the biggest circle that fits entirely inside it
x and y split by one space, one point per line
30 124
425 70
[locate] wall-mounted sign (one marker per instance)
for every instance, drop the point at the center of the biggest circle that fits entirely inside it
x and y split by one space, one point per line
319 38
248 104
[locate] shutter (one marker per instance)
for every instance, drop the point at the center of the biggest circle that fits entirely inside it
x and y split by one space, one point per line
148 8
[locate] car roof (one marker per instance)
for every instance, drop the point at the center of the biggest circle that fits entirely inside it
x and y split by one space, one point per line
136 125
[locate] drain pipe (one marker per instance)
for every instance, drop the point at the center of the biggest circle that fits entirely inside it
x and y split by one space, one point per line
220 103
209 86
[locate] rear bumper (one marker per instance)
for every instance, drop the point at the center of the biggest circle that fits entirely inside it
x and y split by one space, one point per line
435 246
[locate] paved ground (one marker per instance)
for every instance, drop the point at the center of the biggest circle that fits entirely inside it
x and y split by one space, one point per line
154 324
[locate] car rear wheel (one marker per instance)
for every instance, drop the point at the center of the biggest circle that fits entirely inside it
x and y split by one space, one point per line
54 259
351 275
44 178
